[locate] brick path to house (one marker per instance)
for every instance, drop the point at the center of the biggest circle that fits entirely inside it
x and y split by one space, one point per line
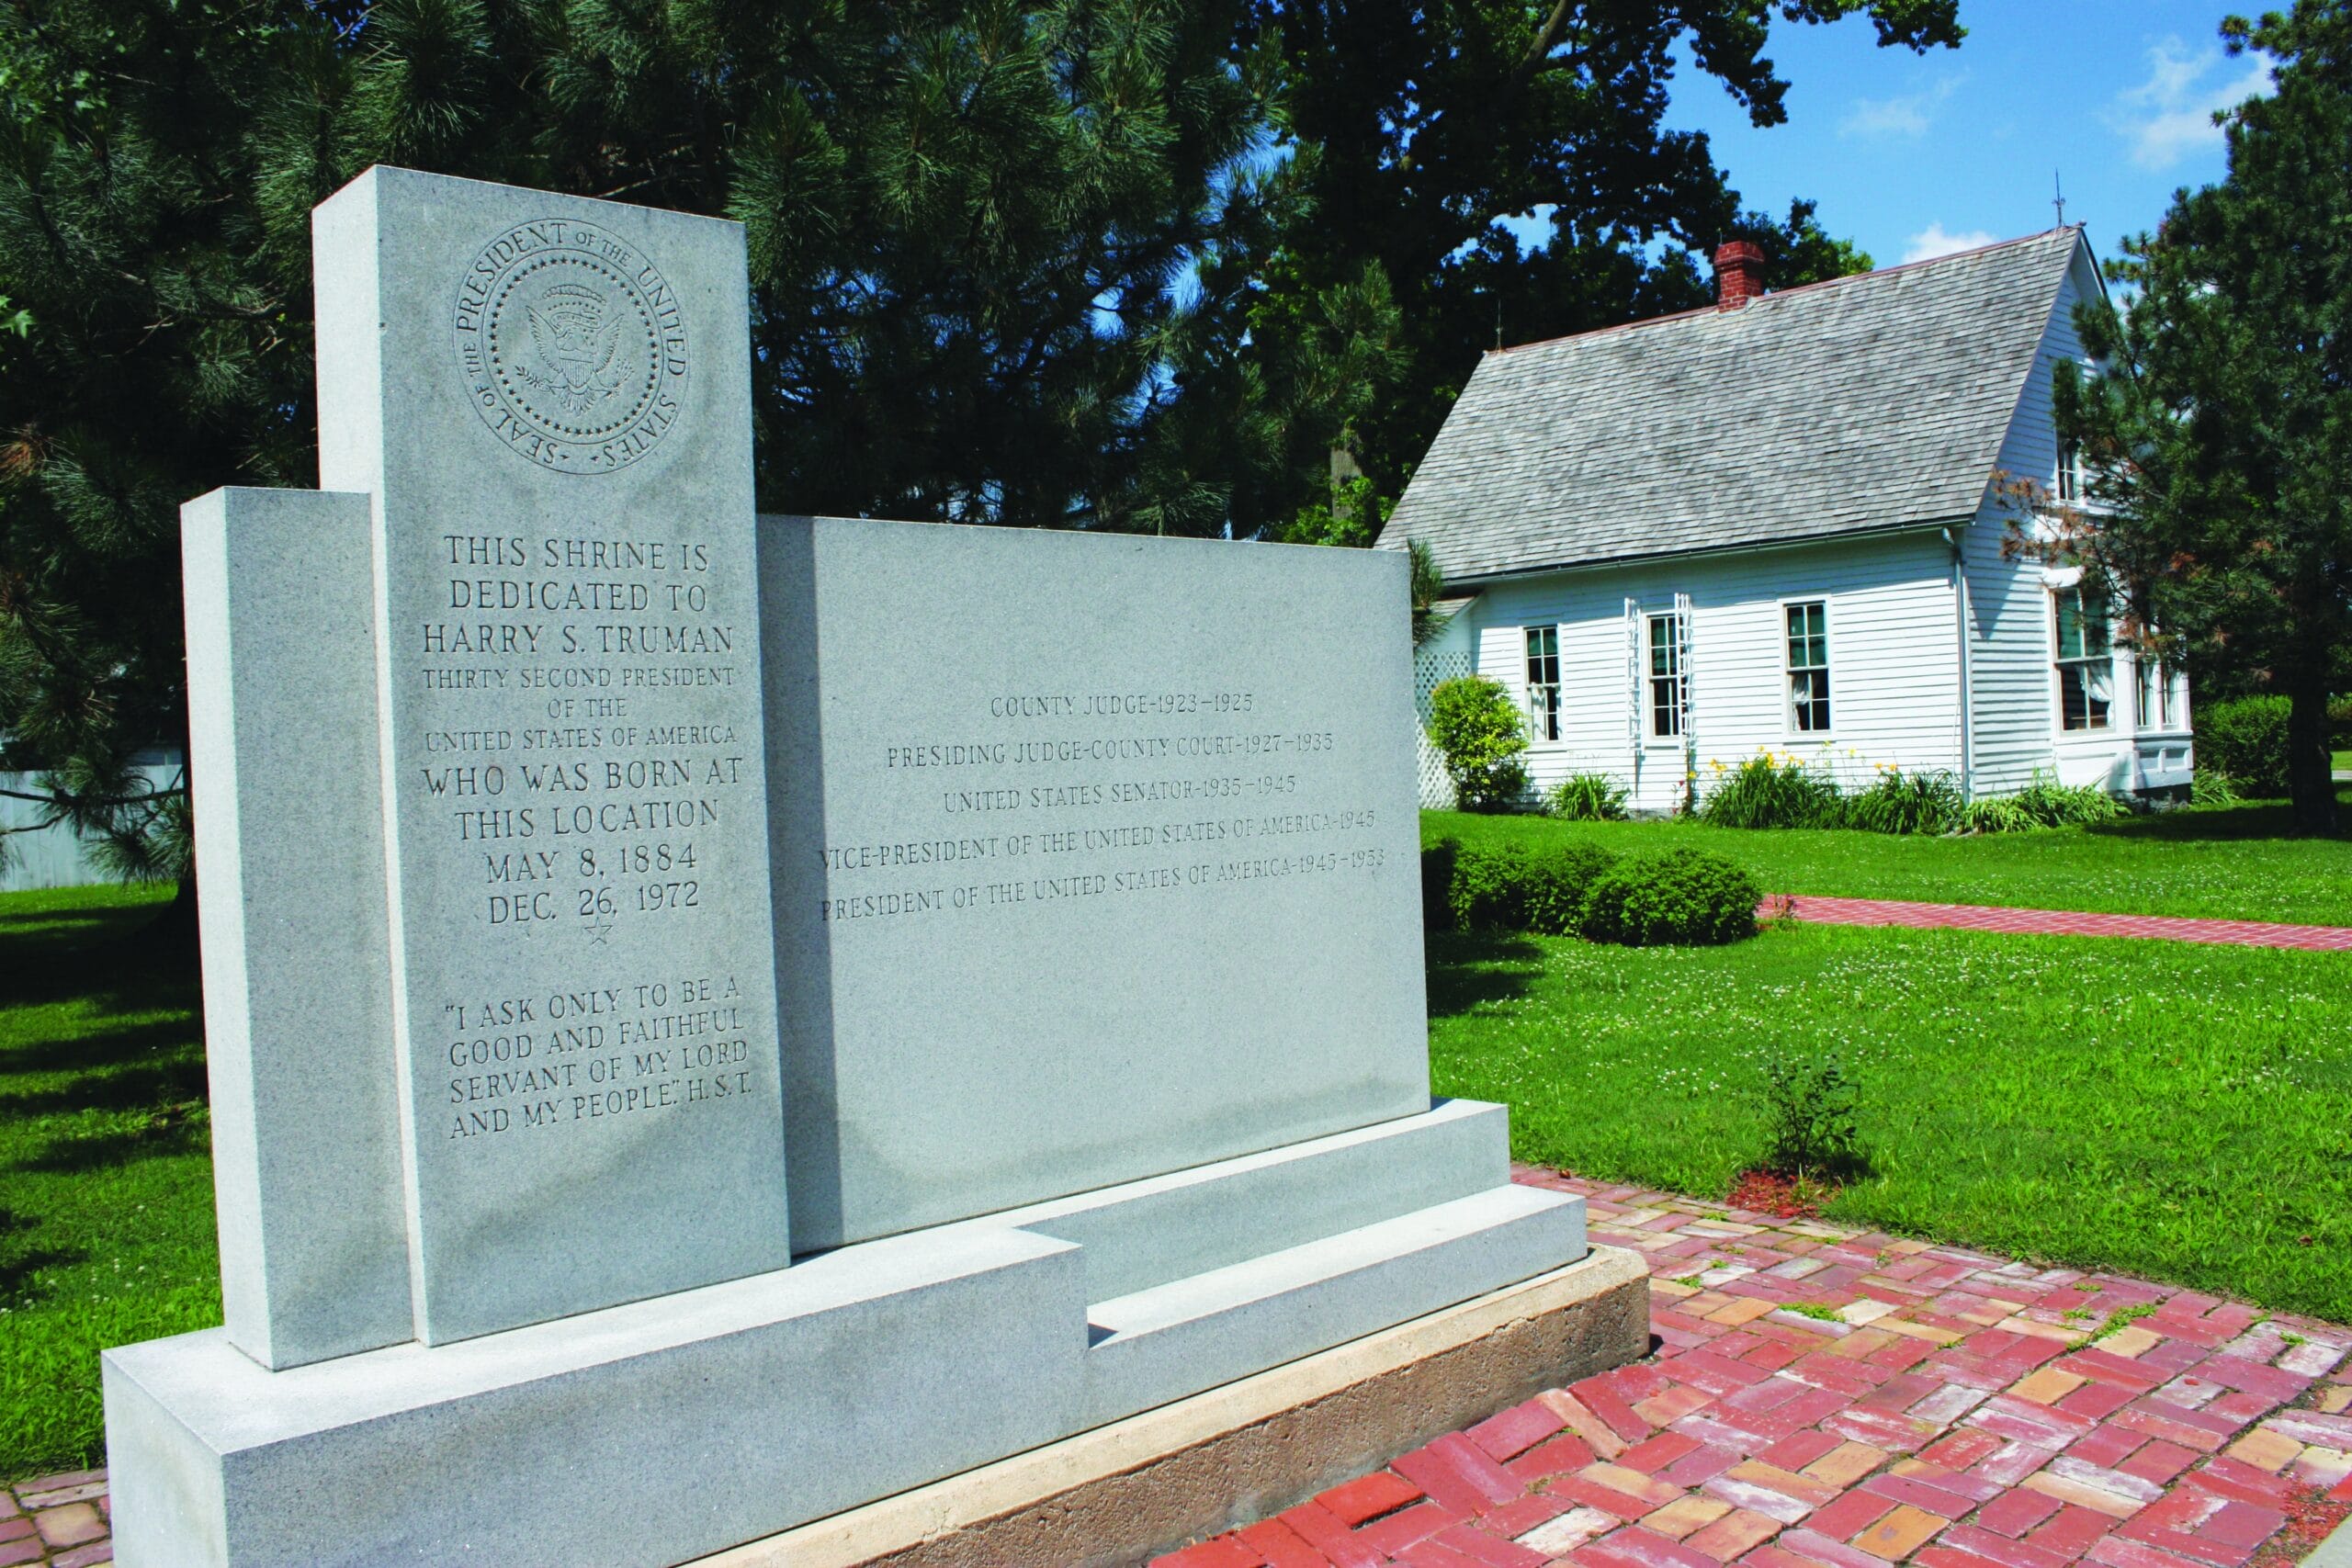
2049 922
1952 1410
1821 1398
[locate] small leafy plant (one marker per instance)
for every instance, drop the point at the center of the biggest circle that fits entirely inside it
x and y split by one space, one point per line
1587 797
1476 728
1815 1310
1810 1109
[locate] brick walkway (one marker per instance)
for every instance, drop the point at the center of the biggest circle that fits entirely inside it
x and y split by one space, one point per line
1958 1411
2047 923
1825 1399
59 1520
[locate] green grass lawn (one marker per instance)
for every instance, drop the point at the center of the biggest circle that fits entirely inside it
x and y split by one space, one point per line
106 1178
2230 862
2179 1112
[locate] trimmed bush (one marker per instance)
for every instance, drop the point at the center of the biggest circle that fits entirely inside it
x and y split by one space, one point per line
1907 803
1684 896
1771 791
2246 738
2339 723
1509 887
1475 727
1587 797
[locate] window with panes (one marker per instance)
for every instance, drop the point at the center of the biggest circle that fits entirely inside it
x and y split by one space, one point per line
1543 683
2085 661
1808 640
2156 705
1669 682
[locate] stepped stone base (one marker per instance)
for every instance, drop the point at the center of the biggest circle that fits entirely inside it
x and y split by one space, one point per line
667 1429
1125 1493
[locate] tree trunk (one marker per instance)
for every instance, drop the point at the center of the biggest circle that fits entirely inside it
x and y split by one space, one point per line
2310 786
171 936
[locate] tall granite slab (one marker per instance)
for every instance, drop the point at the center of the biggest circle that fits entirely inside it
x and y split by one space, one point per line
547 401
290 838
1095 856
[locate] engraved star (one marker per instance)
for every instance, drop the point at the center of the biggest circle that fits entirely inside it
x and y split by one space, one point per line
597 933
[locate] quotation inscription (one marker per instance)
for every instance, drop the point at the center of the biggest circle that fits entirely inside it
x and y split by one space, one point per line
559 1058
1050 797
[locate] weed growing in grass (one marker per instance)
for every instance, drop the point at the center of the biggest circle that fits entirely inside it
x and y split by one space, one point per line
1810 1109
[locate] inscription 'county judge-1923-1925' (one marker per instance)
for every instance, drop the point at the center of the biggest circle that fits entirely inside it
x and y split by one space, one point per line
572 345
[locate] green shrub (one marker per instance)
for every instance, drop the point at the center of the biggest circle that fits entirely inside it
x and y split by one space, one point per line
2053 805
1587 797
2339 723
1907 803
1510 886
2246 738
1997 814
1773 791
2211 786
1810 1112
1475 727
1682 897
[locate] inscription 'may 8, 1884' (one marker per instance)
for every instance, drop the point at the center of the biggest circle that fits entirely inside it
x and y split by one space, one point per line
572 345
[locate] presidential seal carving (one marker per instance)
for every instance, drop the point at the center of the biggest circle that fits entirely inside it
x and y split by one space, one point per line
573 346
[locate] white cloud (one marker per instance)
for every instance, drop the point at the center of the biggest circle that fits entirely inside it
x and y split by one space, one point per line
1933 241
1906 117
2170 115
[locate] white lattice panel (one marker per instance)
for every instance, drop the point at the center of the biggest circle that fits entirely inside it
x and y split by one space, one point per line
1432 667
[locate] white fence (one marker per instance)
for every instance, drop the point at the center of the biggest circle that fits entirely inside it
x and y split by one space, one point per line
55 856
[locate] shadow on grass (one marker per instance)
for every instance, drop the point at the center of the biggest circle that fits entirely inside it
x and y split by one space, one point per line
163 1135
1467 972
20 1263
150 1085
101 1048
2226 824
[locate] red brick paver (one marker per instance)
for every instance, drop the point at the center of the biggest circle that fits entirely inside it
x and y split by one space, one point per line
1822 1398
1955 1411
2049 922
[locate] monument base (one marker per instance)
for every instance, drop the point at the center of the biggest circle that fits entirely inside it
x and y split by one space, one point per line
666 1429
1127 1492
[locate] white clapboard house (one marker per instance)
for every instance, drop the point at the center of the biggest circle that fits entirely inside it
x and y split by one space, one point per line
1776 524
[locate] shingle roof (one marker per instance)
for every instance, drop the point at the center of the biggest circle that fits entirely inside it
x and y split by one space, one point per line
1868 402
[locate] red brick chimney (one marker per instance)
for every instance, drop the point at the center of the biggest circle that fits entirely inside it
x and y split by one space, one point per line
1739 274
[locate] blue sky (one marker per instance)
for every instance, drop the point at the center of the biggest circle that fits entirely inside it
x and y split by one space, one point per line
1913 155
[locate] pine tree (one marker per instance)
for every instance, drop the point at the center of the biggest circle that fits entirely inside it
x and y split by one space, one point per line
2221 433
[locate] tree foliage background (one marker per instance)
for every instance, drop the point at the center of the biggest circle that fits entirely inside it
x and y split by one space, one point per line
2221 440
1123 264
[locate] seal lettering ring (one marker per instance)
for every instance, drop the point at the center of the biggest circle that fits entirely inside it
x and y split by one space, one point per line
573 346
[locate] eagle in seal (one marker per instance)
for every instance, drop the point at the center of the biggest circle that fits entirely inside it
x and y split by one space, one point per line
577 337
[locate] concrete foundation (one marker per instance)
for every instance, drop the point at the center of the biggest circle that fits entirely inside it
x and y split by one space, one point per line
1125 1492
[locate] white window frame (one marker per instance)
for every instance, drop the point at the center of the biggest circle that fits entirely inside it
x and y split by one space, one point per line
1542 698
1789 672
2085 662
2070 487
1651 680
2170 687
